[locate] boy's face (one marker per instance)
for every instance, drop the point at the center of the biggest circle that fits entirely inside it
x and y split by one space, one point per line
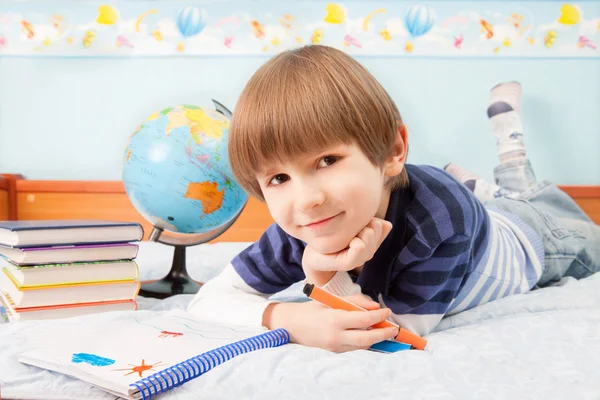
326 199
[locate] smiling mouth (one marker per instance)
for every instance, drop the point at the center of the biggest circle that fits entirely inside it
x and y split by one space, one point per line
318 224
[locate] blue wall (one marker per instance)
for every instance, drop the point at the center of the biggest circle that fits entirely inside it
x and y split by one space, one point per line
70 118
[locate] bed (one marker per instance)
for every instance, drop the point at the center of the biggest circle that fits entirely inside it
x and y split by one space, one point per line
540 345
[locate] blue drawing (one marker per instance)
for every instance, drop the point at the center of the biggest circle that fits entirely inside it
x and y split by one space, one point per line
91 359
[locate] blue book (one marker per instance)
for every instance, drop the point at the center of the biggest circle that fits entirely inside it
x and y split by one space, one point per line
22 234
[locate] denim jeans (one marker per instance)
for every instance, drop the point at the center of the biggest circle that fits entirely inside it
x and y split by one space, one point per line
570 238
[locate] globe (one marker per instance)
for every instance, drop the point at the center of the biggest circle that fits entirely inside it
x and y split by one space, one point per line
177 174
176 170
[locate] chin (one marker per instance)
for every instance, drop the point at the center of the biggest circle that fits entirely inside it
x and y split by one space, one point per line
328 245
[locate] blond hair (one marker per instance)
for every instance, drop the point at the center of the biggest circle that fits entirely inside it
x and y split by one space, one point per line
304 100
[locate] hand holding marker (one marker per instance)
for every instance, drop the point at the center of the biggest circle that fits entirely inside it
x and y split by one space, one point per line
333 301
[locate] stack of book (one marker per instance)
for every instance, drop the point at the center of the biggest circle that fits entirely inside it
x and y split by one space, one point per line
59 269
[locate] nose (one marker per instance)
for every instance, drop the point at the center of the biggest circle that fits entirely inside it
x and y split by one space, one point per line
307 196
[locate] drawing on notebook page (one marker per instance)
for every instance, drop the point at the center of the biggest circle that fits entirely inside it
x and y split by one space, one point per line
99 361
206 331
140 368
140 356
171 334
91 359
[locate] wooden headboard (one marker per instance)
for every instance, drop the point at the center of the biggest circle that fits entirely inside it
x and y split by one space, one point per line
4 199
107 200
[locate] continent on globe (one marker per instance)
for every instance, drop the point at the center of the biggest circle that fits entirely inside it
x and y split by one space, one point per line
177 119
154 116
198 122
202 123
206 192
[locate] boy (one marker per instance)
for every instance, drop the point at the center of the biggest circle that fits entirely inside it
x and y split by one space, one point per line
318 139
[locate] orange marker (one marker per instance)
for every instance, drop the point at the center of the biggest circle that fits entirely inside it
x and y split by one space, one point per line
333 301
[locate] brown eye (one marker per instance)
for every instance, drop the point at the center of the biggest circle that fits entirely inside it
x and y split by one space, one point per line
327 161
279 179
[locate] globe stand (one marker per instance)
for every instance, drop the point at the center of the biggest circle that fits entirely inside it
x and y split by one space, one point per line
178 281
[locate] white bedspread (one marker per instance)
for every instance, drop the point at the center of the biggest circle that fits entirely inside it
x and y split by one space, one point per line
541 345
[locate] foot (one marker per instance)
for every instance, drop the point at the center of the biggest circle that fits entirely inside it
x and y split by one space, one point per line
504 116
462 175
481 188
507 92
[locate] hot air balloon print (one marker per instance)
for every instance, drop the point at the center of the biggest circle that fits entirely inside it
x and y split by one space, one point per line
418 21
190 22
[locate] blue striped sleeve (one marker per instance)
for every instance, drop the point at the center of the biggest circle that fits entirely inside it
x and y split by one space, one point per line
430 277
273 263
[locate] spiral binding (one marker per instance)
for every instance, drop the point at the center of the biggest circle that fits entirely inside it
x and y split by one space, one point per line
191 368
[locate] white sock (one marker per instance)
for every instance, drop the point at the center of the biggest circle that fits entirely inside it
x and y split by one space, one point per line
508 92
481 188
461 174
503 113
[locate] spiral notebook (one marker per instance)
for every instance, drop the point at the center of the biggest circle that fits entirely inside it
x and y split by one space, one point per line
139 358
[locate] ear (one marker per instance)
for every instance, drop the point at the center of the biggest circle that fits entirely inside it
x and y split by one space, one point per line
394 164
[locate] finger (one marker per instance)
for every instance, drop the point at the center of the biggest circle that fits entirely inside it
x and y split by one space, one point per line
382 221
362 319
362 301
351 258
363 339
386 228
367 235
377 226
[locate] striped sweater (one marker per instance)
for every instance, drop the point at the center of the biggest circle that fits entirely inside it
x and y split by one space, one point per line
446 253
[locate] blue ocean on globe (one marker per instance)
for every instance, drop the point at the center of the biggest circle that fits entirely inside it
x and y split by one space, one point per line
176 170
